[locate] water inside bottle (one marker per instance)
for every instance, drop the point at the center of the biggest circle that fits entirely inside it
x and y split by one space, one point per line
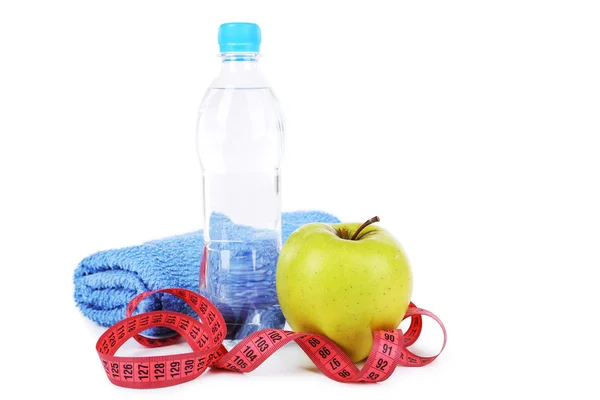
240 140
239 278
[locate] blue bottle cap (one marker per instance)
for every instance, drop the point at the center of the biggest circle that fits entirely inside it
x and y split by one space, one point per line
239 37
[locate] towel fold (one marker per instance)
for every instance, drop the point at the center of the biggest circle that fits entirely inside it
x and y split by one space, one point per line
106 281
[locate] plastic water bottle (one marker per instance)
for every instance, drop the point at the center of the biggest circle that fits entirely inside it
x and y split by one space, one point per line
240 143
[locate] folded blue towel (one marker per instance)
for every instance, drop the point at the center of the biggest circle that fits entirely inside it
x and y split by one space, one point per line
106 281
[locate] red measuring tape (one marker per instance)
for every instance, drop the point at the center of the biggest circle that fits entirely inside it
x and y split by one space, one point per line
205 337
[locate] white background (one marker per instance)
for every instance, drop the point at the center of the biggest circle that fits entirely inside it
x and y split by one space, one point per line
470 127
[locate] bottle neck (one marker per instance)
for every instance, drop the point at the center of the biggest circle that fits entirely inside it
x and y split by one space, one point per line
240 70
238 62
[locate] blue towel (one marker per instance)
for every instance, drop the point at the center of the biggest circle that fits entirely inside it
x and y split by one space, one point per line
106 281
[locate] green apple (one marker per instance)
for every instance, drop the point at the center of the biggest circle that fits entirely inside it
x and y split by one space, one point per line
344 281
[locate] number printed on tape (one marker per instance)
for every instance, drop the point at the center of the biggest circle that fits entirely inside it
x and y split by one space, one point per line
206 337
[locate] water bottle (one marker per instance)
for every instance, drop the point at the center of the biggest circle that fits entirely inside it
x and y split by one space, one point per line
240 142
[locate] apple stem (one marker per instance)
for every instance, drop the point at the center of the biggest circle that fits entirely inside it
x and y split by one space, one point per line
364 225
